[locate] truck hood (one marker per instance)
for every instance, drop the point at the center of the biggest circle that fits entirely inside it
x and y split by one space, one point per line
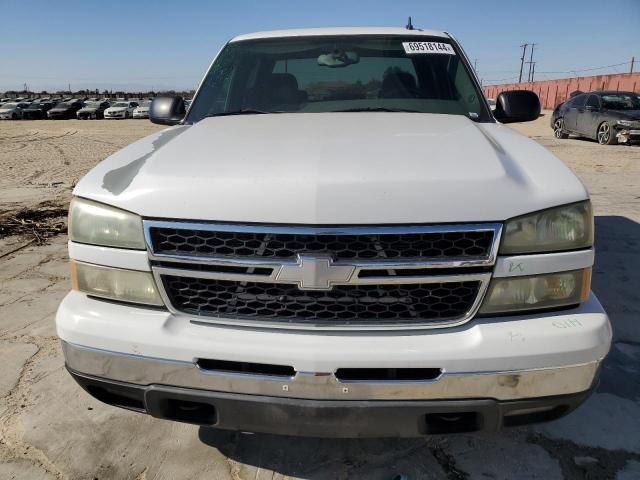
334 168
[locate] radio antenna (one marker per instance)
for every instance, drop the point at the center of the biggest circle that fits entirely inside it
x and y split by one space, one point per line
409 25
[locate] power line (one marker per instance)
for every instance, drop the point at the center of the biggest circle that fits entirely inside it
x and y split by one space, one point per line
552 72
502 79
589 69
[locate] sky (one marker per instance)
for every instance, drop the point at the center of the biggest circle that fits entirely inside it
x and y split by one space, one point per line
168 44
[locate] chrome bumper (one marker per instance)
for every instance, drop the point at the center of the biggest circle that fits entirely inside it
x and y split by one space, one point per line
503 385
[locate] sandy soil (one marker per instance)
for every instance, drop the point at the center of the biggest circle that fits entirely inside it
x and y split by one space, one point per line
51 429
42 160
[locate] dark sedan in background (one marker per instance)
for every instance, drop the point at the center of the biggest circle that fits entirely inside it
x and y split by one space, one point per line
36 111
608 117
65 110
92 109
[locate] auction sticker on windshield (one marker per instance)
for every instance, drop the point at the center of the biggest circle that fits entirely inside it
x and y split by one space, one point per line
428 47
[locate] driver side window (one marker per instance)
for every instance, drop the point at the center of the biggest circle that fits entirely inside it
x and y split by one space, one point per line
593 101
577 101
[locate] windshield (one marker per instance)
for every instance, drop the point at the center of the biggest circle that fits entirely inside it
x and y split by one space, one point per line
63 105
120 104
92 104
341 73
144 104
621 101
9 105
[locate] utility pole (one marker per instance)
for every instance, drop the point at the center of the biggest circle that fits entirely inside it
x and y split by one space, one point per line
475 66
633 59
533 71
524 53
530 62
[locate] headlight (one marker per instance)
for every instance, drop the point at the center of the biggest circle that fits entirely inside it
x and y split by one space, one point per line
98 224
511 294
115 283
624 123
569 227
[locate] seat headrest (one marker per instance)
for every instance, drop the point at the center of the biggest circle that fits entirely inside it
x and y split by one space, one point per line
284 80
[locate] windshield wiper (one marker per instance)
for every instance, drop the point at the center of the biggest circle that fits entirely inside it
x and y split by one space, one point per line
377 109
245 111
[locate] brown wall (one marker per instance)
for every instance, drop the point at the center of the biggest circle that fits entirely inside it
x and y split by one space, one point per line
553 92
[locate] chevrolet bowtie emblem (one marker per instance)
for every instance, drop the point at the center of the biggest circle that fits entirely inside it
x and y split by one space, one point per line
315 273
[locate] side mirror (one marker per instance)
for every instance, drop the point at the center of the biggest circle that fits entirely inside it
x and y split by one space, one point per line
167 110
517 106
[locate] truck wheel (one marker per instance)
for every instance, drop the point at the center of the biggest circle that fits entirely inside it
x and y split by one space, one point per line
606 135
558 129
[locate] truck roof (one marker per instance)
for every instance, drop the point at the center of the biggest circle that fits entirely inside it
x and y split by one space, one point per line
309 32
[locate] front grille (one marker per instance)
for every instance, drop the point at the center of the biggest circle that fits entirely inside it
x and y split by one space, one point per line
343 304
436 245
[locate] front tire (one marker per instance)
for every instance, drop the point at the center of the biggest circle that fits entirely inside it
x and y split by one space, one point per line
558 129
605 134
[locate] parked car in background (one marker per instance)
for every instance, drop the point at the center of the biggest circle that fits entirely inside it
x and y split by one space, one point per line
65 110
608 117
142 110
92 110
122 109
36 110
12 110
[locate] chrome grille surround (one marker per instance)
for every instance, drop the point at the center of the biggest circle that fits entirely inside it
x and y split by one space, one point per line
351 272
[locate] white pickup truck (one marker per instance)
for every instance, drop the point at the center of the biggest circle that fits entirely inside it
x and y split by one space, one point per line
340 239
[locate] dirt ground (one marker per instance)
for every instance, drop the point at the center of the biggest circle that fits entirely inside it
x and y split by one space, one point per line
51 429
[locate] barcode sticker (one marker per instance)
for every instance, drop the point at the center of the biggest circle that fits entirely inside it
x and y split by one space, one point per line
428 47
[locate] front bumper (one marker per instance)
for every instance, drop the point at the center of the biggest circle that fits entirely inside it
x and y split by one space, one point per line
625 134
326 418
500 385
489 362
